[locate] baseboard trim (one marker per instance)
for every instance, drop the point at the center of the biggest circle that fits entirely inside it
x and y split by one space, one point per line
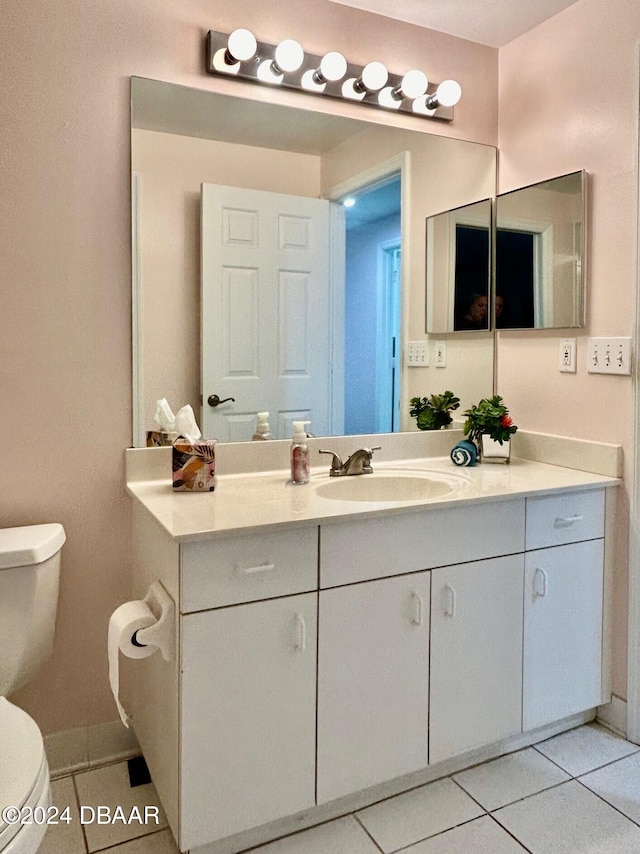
614 715
88 747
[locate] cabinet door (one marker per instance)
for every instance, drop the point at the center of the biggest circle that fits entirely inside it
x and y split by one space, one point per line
373 683
562 632
476 655
248 705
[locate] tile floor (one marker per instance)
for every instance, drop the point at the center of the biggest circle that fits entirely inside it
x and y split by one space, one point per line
576 793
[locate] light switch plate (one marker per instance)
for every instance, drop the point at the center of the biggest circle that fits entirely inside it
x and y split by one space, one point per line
609 356
417 354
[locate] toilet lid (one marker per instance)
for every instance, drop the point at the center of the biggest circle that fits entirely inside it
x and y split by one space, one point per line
21 755
29 544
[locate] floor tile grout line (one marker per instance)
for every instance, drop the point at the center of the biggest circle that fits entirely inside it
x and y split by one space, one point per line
532 795
510 833
117 845
591 770
469 795
360 824
77 797
439 833
613 806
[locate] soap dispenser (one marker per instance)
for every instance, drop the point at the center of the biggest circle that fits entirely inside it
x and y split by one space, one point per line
262 428
299 453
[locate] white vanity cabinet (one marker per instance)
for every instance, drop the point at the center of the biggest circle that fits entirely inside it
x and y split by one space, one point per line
247 682
563 607
373 683
317 661
476 655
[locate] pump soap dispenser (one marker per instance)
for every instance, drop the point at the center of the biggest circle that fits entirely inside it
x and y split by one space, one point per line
262 428
299 453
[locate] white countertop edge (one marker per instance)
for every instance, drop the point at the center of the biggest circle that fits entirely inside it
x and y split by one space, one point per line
244 503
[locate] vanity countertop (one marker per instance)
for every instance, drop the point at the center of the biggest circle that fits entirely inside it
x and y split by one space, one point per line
267 500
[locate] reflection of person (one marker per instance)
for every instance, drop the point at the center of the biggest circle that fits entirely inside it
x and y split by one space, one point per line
475 315
499 307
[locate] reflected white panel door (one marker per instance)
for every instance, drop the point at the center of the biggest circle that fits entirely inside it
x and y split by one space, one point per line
266 312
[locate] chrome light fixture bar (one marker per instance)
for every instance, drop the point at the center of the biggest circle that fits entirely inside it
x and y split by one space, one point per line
286 64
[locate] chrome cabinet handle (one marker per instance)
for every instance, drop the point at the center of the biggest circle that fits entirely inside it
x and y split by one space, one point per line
253 570
301 634
450 609
539 583
566 521
419 606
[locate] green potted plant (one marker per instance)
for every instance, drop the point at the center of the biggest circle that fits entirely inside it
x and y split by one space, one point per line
490 426
433 413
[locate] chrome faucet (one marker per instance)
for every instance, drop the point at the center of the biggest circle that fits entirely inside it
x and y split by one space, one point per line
358 463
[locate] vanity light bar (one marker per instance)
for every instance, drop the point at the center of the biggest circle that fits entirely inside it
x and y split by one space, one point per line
242 56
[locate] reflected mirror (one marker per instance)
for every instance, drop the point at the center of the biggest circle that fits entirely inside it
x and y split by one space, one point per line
539 255
458 254
263 319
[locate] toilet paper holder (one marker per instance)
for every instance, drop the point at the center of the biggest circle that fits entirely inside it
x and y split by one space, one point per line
161 633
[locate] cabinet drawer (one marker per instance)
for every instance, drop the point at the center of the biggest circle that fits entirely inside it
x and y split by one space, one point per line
392 545
554 520
248 568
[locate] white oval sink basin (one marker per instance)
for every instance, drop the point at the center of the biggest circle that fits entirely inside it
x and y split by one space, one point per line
383 487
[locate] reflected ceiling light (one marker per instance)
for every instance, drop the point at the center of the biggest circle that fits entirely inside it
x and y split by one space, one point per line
242 56
349 202
447 95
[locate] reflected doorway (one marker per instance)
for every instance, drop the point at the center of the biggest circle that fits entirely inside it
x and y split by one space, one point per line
372 307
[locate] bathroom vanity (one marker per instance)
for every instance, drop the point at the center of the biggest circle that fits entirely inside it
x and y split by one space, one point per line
331 651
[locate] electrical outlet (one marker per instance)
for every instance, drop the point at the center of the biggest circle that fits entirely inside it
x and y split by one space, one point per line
567 356
440 356
417 354
609 356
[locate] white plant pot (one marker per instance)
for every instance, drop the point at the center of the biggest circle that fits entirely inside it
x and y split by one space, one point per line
494 452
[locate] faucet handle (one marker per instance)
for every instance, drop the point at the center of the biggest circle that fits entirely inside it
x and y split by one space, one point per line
336 462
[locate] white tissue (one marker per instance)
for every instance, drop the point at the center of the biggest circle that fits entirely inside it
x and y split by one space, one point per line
124 623
164 417
185 424
136 632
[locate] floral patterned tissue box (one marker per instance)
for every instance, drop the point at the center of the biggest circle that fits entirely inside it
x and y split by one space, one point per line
194 466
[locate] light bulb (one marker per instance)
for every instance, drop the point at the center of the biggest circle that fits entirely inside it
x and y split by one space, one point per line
448 93
242 45
333 66
289 56
374 76
414 84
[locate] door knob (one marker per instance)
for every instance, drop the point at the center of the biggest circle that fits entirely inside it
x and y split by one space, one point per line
214 400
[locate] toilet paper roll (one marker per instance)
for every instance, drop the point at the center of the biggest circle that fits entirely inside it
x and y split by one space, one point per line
123 624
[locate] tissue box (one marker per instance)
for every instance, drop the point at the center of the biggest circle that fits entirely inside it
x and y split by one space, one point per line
194 465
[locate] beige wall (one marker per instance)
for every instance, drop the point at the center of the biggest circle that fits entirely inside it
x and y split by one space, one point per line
65 340
569 101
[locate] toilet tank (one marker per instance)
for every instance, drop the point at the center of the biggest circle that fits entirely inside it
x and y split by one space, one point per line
29 578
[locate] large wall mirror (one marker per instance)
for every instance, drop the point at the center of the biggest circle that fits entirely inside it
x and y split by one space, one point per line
253 281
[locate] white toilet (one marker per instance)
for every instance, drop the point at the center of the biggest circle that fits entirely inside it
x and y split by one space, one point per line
29 575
